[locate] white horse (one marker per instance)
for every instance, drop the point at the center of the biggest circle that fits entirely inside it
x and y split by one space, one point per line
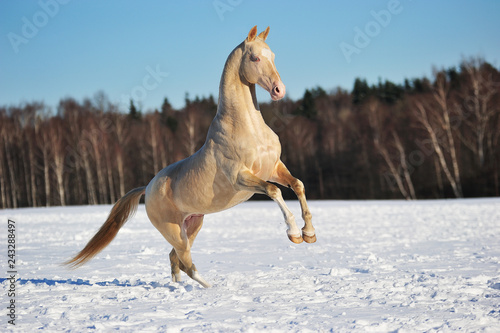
241 155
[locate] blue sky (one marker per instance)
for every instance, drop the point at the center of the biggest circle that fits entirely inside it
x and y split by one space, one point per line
52 49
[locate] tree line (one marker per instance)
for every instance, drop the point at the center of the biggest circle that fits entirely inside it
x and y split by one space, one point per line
435 137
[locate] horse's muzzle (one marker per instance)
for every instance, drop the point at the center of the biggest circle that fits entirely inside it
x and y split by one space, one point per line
278 91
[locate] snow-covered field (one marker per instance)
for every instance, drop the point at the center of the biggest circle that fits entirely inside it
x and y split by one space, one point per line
377 266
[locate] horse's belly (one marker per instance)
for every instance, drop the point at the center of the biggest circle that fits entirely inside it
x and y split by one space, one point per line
232 201
206 193
218 202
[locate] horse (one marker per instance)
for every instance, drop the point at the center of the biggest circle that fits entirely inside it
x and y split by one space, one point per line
240 157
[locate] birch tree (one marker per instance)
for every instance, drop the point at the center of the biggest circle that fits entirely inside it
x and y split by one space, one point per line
434 116
401 172
478 107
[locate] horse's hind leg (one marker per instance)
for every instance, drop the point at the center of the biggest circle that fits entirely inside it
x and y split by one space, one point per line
175 266
181 237
284 177
185 261
192 226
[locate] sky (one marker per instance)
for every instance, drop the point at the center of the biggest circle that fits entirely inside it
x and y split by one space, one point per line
149 50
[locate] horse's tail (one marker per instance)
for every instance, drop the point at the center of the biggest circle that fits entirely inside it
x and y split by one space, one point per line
124 208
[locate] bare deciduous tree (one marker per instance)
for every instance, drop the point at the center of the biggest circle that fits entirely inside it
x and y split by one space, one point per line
478 108
401 173
433 130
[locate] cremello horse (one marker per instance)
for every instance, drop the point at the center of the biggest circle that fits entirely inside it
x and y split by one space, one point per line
240 155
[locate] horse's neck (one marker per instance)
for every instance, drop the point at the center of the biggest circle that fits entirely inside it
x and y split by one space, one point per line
237 99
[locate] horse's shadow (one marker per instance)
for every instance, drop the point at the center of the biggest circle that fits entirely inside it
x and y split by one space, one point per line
114 283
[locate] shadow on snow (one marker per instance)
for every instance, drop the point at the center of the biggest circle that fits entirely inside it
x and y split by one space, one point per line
81 282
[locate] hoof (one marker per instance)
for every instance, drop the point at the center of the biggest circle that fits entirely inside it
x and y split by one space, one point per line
309 239
197 277
295 239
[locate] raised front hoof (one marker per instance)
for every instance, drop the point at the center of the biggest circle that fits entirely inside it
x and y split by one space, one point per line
309 239
295 239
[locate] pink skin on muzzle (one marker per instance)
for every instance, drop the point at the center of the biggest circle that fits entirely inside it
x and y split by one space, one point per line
278 91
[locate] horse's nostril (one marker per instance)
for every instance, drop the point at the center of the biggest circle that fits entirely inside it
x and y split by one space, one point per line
277 90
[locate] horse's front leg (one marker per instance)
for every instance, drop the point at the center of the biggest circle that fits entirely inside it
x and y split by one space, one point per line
247 181
284 177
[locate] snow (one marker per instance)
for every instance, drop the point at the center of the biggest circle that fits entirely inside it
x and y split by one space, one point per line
377 266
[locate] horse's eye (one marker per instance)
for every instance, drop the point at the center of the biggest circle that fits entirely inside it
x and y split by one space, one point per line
254 58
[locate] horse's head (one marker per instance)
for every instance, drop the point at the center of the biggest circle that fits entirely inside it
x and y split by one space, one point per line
257 65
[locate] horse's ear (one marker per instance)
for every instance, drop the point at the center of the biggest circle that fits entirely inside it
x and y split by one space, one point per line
263 34
252 34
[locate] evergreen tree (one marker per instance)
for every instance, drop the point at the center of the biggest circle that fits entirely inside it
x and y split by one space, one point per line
307 107
167 115
172 123
407 85
360 91
318 92
453 77
166 107
133 113
390 92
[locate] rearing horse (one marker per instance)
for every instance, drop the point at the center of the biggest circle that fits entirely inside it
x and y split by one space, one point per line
241 155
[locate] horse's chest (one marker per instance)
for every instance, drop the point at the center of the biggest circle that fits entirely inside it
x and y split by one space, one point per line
264 163
265 155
